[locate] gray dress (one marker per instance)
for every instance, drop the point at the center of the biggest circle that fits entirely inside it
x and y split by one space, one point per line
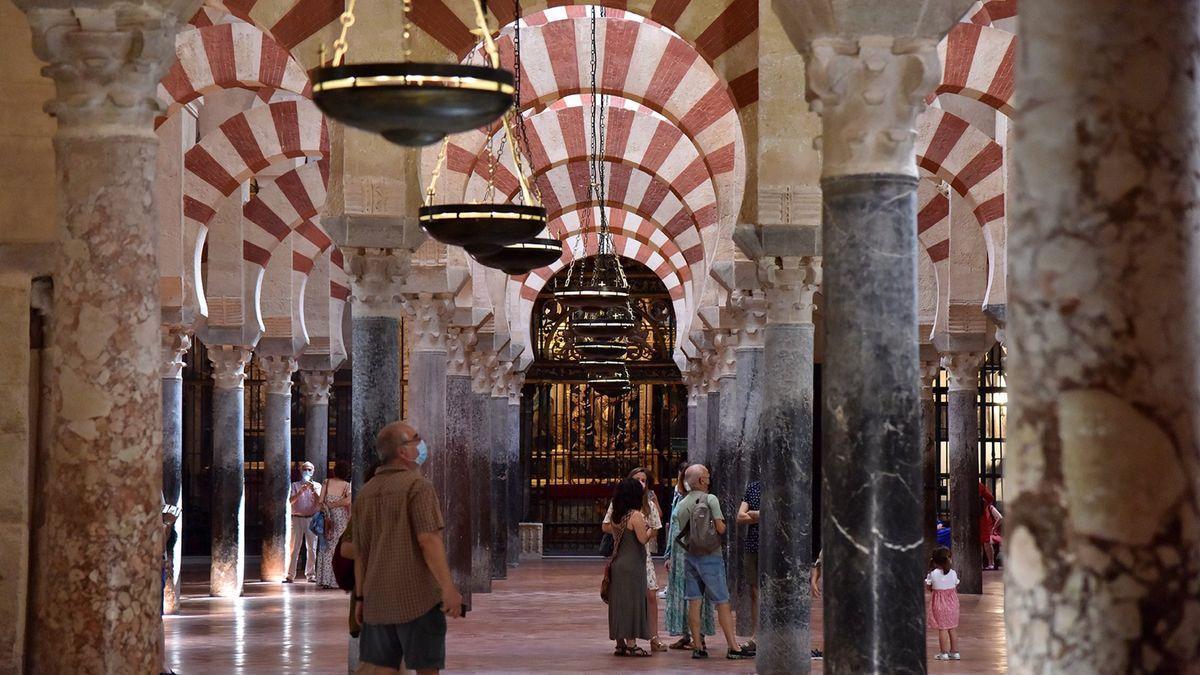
628 618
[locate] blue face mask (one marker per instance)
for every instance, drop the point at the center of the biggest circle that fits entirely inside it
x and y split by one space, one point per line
422 452
307 475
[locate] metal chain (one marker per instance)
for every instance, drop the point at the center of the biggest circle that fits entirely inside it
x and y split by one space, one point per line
340 46
407 31
436 173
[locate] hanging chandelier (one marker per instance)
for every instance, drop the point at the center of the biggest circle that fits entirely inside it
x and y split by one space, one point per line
597 281
522 257
610 322
592 349
408 103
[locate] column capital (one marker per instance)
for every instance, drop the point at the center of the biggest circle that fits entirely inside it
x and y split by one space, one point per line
791 284
376 275
751 306
229 365
460 340
929 371
869 91
500 372
723 361
430 315
516 382
277 371
482 363
106 61
315 386
962 369
175 344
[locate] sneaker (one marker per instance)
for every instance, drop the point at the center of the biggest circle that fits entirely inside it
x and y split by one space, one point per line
954 656
750 647
699 654
738 654
818 655
287 580
942 657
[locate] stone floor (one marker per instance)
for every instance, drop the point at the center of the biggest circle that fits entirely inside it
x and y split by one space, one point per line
547 617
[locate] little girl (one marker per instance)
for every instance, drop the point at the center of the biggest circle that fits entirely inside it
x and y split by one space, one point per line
943 605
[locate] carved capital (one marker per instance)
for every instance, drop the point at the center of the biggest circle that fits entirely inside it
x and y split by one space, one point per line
376 275
315 386
501 372
724 360
483 365
751 306
962 370
106 61
929 373
869 92
229 365
429 317
277 371
459 343
791 284
175 344
516 382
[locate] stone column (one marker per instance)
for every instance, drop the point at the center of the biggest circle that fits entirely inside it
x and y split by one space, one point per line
277 465
175 343
516 480
456 493
375 275
227 475
1102 483
429 317
497 421
748 351
697 415
482 364
315 386
785 527
929 452
962 425
96 588
868 92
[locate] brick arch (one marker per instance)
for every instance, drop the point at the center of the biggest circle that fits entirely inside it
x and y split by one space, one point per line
933 233
228 56
282 206
979 63
986 13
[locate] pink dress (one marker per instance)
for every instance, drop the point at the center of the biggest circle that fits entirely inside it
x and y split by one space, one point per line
943 602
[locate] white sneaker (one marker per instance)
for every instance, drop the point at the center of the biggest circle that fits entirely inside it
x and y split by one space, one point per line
942 657
954 656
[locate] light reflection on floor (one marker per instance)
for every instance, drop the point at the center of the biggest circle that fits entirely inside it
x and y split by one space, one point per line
547 617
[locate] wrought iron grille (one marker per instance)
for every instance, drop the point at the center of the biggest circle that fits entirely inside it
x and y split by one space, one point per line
992 405
576 443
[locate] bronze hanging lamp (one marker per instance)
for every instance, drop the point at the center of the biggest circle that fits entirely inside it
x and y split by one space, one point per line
606 323
410 103
598 281
600 349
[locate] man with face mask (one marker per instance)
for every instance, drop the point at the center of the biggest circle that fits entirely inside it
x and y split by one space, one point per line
305 501
402 583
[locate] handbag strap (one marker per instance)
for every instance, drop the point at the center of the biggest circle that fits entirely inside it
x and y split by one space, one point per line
624 524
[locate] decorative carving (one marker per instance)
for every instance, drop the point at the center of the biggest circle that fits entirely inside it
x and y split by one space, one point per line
929 372
724 361
751 306
229 365
789 205
175 344
375 278
962 369
277 372
429 315
791 284
315 386
459 343
501 372
483 363
869 92
106 61
516 382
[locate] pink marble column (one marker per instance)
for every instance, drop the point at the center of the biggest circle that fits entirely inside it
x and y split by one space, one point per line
1102 478
99 539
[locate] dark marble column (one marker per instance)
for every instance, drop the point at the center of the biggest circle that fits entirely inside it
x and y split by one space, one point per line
175 345
869 91
460 425
712 433
752 313
483 361
962 415
277 465
314 388
227 475
1102 477
785 525
374 384
729 431
429 317
498 422
929 452
516 481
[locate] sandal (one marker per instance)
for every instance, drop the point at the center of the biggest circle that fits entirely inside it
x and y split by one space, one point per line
636 651
656 645
621 650
681 643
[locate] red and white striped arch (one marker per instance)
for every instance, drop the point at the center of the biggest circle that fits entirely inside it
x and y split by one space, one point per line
228 56
933 232
581 222
991 11
979 63
282 206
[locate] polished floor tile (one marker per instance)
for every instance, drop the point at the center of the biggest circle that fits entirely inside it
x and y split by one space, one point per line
546 617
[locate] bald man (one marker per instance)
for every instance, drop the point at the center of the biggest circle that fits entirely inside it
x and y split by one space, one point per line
404 592
704 571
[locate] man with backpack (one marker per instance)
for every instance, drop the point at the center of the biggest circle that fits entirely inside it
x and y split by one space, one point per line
700 524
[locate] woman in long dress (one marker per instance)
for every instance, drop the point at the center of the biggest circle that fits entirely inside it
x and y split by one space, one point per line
628 615
336 503
653 515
